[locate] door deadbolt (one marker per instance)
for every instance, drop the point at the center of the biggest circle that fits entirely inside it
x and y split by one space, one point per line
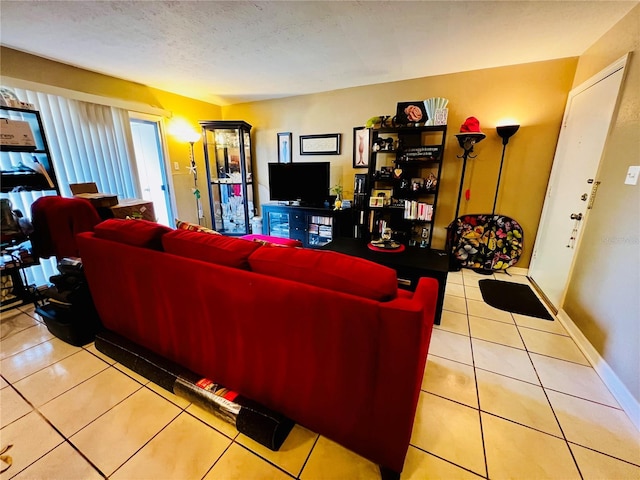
584 197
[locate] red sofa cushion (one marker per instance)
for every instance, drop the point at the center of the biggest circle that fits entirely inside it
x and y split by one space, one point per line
331 270
218 249
137 233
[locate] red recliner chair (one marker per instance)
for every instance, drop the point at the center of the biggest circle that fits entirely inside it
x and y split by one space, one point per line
66 307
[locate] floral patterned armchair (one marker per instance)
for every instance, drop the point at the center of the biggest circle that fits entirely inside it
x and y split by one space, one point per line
484 242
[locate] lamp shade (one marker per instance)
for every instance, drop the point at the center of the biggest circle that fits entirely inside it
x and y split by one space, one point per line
506 132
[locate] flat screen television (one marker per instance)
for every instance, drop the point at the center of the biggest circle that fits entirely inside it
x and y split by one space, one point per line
304 182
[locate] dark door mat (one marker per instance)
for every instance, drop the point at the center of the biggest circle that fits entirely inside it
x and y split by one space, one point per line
514 298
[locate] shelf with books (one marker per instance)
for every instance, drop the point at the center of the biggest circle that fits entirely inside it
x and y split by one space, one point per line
402 182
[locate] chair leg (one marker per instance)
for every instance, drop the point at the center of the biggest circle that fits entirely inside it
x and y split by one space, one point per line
388 474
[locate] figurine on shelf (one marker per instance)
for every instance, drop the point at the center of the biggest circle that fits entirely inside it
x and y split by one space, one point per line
337 190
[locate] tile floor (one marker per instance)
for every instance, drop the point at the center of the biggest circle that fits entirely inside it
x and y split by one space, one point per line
503 396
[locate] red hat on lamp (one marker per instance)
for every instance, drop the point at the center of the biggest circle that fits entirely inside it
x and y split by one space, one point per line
471 128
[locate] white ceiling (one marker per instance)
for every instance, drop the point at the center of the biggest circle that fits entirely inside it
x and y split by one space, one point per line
228 52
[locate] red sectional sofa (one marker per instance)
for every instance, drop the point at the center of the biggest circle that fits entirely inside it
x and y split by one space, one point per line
321 337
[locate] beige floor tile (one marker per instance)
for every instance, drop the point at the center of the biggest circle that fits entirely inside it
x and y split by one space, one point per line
450 431
27 362
81 405
238 463
473 293
420 465
62 462
596 466
455 277
212 420
56 379
504 360
23 340
91 348
495 331
602 428
453 380
451 345
454 322
480 309
173 398
455 304
517 401
12 406
515 452
291 455
124 429
514 278
3 382
329 460
136 376
571 378
14 321
552 345
186 448
454 289
539 324
31 438
471 278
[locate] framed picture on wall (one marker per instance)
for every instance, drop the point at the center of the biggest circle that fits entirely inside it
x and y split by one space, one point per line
325 144
284 147
361 147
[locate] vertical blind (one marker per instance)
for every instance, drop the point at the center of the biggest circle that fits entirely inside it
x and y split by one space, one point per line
88 143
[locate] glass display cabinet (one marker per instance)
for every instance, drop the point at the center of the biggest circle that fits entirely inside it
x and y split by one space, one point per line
227 154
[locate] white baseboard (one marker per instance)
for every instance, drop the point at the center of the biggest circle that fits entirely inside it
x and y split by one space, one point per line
620 392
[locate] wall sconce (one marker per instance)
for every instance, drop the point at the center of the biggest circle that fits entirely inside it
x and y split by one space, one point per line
469 135
505 132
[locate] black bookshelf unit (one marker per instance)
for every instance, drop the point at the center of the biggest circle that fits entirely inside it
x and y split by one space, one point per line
402 184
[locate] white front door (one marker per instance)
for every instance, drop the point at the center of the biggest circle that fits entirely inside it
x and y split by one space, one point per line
573 182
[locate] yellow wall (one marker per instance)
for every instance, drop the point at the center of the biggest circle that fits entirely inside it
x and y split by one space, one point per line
23 66
604 290
533 94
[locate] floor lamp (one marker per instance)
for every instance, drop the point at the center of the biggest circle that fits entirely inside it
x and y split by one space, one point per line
505 132
467 141
193 137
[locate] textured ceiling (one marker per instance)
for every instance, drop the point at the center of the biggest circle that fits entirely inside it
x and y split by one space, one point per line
228 52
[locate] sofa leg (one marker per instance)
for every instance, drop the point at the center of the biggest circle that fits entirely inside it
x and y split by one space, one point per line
388 474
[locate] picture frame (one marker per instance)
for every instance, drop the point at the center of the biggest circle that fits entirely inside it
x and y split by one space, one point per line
324 144
411 113
285 154
361 147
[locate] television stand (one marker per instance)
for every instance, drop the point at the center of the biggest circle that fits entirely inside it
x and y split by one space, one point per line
313 226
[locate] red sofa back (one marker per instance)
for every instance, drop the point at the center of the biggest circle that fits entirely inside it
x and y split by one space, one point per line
343 365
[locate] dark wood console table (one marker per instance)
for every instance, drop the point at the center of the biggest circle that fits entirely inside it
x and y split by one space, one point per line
410 264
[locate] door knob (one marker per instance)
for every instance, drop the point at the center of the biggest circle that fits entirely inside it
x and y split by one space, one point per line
576 216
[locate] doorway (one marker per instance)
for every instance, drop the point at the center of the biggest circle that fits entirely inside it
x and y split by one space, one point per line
151 165
573 182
